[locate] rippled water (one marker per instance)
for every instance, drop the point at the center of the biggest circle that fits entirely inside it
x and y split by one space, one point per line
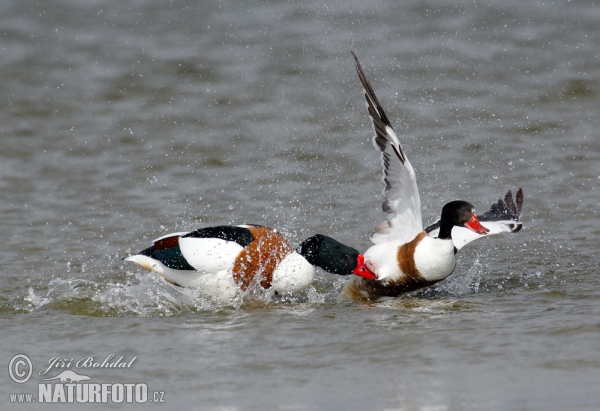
122 121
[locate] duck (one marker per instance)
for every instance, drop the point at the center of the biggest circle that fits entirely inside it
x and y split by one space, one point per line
223 261
405 256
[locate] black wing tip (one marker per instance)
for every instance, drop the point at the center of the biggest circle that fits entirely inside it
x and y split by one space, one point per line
370 93
506 209
377 113
519 201
353 54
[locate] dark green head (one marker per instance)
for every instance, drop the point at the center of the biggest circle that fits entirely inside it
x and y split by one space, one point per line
333 256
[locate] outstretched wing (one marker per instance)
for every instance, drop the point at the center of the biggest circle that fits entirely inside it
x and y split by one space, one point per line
502 217
402 205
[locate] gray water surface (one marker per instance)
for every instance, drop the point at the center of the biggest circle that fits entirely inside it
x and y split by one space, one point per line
123 121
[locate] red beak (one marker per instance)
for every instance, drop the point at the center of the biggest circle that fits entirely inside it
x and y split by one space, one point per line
361 269
474 225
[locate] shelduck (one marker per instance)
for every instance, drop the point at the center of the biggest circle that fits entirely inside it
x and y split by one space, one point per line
224 260
405 256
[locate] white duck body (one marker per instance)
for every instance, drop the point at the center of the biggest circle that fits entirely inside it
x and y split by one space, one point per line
209 255
292 274
226 261
432 258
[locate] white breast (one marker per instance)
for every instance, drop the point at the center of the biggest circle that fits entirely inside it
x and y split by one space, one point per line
434 258
292 274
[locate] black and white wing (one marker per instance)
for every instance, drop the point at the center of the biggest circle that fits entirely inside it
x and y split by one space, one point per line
402 205
504 216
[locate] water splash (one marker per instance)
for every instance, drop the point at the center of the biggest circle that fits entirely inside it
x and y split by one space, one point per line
34 299
461 284
124 293
148 295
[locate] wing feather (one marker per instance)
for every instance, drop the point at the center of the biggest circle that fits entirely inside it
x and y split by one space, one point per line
402 205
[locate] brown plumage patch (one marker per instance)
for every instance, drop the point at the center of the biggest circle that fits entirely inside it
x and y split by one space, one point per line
376 289
411 280
260 257
406 256
166 243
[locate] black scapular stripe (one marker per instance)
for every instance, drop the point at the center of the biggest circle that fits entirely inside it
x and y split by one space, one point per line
170 257
240 235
